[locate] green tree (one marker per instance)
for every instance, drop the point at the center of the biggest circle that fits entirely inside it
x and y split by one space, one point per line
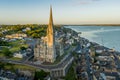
7 52
1 35
40 75
23 48
3 43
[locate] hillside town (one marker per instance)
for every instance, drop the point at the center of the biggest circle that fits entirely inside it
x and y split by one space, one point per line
54 52
91 60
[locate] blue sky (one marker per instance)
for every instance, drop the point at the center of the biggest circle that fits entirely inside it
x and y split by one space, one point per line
64 11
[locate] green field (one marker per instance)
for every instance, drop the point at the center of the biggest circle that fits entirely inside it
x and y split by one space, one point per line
13 67
17 44
2 55
14 46
16 59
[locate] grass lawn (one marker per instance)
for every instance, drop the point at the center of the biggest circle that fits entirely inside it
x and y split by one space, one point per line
16 45
23 67
13 67
2 55
14 58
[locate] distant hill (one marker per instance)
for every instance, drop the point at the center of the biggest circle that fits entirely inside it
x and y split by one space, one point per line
94 25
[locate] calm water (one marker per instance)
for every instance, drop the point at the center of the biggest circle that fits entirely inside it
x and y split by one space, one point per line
108 36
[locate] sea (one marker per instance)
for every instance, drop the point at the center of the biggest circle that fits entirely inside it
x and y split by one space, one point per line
108 36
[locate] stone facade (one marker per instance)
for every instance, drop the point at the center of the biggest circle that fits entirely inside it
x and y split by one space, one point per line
40 50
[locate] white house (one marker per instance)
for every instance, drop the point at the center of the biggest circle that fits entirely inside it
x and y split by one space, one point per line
19 55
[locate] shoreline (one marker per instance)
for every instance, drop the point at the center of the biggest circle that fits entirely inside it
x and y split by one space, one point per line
95 43
105 36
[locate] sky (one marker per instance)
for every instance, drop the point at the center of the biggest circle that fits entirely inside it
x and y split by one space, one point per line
64 11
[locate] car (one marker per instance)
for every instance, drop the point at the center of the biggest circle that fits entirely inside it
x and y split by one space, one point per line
79 51
91 72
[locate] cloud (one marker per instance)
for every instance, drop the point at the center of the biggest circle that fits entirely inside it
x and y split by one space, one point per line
84 2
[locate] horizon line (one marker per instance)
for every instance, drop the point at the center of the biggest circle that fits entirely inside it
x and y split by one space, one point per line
63 24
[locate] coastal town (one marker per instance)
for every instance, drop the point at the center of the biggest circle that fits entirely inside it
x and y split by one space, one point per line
90 61
54 52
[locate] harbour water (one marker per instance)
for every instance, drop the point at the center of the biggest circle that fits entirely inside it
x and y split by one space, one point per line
109 36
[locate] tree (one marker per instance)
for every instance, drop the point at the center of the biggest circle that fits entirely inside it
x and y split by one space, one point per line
1 35
7 52
35 35
40 75
2 65
23 48
3 43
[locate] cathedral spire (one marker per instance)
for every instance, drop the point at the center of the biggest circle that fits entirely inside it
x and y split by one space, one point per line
47 50
50 30
51 17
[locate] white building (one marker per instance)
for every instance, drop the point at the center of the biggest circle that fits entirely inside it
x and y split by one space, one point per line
19 55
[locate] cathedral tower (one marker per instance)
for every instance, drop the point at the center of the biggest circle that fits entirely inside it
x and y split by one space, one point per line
45 51
51 51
